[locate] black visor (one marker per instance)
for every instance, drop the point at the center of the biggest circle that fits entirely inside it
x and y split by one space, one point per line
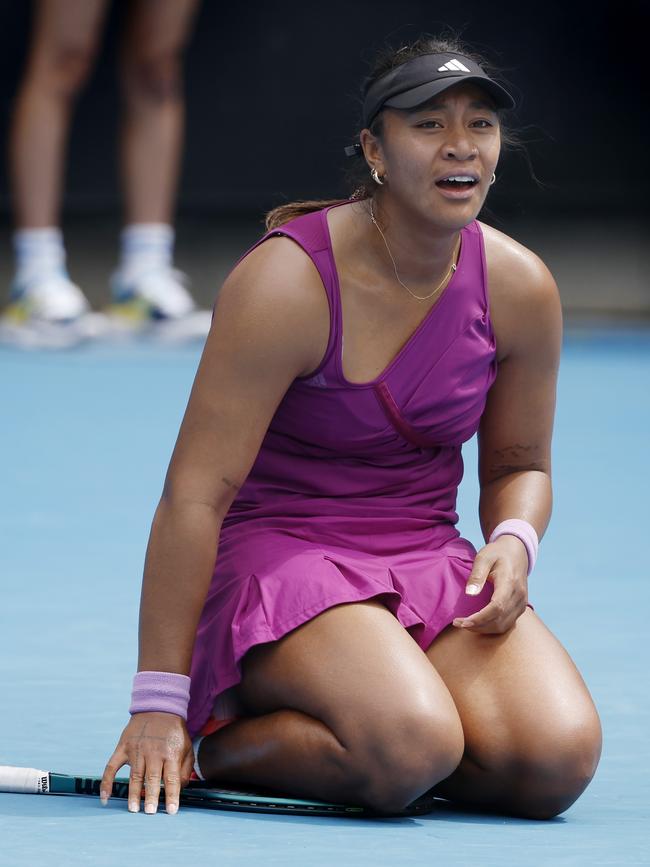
417 80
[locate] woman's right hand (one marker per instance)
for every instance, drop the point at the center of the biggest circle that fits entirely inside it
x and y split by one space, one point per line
158 748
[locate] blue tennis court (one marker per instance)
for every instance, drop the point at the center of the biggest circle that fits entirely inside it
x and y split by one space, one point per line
86 439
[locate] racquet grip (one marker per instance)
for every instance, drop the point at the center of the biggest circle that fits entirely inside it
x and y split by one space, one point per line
24 780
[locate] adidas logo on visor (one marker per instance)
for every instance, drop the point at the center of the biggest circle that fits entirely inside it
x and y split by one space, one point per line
452 66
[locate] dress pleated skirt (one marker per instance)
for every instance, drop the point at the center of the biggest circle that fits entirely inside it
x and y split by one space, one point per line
268 582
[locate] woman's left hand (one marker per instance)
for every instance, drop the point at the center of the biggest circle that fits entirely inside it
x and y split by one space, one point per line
505 563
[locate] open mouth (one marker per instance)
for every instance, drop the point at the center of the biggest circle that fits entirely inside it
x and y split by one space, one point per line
457 182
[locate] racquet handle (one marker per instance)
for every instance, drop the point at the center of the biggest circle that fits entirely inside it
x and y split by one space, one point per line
24 780
32 781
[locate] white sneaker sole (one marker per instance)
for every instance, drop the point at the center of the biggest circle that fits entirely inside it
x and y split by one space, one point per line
41 334
37 334
194 326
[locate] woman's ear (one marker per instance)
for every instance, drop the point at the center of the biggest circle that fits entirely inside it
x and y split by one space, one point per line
372 151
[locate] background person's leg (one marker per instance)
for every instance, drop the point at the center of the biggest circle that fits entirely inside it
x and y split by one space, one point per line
350 710
64 42
154 109
146 286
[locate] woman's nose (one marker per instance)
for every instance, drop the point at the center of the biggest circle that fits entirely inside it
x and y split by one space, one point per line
459 146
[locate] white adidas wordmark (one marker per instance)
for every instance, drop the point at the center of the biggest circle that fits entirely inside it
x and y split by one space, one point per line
452 65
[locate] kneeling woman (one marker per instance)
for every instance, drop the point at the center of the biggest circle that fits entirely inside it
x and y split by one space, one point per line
311 619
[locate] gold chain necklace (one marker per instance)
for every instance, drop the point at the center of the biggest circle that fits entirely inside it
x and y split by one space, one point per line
418 297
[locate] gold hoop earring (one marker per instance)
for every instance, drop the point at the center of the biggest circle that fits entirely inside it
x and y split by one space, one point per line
376 178
494 177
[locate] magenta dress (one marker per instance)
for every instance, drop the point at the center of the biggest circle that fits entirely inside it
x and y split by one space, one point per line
353 492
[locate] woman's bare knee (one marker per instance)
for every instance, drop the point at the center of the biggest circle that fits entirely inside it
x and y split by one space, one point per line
66 36
156 78
151 55
357 669
550 785
407 754
546 778
64 68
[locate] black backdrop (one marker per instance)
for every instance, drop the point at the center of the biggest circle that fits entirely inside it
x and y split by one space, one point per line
272 99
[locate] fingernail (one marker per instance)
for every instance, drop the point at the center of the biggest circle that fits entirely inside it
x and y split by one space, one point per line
134 806
150 808
103 797
467 623
172 808
472 589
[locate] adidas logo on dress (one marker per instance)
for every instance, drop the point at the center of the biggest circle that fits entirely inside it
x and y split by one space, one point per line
453 66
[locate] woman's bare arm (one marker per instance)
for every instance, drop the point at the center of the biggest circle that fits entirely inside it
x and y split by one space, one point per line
271 319
517 424
267 329
514 436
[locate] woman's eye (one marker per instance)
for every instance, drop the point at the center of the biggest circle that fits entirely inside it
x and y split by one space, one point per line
481 123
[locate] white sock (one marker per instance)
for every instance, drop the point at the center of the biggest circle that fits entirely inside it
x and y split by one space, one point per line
145 247
39 253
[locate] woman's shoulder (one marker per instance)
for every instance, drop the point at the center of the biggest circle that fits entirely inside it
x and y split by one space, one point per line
507 258
276 283
522 290
278 264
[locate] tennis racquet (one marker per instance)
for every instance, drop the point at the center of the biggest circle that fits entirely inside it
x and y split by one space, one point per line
31 781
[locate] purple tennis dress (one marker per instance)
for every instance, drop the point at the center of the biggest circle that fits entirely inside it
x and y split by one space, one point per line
353 492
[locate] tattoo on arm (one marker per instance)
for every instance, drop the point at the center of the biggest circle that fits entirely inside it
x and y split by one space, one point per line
515 458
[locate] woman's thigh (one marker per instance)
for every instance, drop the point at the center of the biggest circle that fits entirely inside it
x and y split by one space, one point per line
357 669
528 719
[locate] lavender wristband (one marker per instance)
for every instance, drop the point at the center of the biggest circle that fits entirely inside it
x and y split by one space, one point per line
161 691
523 531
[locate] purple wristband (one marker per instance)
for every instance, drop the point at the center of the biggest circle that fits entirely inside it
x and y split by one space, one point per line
161 691
523 531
